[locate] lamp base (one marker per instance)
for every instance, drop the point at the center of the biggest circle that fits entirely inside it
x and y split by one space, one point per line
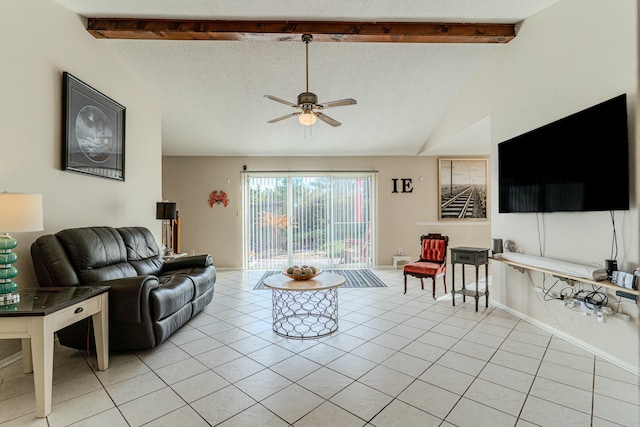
6 299
8 287
167 252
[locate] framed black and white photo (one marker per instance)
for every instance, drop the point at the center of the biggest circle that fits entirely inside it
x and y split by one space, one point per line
463 189
93 131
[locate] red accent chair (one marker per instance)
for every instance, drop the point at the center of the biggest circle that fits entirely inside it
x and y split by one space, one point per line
432 262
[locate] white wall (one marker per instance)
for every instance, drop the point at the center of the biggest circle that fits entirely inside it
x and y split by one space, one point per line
40 40
401 217
568 57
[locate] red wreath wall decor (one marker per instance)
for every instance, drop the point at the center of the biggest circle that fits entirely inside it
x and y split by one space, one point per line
218 197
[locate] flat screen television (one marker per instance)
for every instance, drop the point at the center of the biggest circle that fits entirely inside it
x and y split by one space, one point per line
578 163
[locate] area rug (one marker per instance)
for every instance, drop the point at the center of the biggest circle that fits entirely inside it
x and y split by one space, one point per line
358 278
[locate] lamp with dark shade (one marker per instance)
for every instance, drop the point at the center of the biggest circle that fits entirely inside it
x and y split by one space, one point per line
167 212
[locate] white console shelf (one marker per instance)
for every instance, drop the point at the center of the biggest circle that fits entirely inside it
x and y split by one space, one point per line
604 283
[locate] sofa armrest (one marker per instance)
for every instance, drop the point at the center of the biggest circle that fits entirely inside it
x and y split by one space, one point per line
129 298
187 262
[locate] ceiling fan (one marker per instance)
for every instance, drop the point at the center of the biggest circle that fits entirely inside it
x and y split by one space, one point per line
310 109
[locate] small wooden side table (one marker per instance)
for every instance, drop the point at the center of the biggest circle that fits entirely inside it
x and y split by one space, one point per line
40 313
400 258
470 256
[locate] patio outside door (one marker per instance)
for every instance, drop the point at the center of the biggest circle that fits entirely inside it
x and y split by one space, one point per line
323 220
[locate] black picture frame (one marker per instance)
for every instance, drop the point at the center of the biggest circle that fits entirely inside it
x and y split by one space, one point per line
93 129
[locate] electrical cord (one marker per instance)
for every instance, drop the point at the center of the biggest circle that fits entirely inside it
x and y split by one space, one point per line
592 299
595 300
546 293
540 246
617 303
569 294
614 238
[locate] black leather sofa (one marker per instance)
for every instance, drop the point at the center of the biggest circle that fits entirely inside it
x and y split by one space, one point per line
149 298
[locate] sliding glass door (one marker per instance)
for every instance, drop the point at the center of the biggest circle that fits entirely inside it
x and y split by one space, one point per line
321 219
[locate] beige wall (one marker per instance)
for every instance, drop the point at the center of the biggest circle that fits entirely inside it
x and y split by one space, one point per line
558 64
40 40
401 218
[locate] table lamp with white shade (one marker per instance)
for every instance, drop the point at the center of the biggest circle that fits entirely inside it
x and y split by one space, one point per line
18 213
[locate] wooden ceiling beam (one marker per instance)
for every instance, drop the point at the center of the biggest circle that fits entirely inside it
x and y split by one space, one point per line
322 31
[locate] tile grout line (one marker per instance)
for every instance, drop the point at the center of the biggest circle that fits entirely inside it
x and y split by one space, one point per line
477 375
534 380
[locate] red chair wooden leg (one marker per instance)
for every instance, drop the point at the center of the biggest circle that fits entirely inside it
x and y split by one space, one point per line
422 283
434 287
405 283
444 280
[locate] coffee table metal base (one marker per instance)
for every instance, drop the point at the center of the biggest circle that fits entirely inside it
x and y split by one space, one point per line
305 314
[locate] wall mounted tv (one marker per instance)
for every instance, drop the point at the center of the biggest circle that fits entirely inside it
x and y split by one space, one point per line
578 163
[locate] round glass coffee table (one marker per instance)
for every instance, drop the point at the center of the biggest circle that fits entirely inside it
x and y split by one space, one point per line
305 308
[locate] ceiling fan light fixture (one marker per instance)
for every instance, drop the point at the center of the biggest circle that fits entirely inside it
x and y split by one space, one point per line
310 109
307 118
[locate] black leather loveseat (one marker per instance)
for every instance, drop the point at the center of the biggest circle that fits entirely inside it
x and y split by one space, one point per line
149 298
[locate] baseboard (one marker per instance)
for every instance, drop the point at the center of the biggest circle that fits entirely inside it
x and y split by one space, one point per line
14 358
573 340
17 357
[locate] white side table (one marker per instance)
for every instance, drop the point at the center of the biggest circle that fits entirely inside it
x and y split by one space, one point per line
402 258
42 311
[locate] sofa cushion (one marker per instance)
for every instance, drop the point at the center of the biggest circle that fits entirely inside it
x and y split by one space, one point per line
424 268
96 253
201 278
51 263
165 327
173 293
142 250
202 301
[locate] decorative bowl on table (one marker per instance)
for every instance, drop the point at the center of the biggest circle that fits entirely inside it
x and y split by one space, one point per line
304 272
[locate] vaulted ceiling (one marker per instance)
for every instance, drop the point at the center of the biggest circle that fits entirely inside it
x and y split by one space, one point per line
211 92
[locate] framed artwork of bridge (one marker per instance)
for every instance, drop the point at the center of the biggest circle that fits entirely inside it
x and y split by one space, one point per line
462 189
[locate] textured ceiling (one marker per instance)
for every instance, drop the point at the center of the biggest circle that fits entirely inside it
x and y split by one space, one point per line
211 92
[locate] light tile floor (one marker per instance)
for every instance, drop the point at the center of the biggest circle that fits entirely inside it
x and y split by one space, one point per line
402 360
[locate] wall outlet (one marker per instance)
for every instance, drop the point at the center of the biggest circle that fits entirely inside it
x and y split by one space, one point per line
399 251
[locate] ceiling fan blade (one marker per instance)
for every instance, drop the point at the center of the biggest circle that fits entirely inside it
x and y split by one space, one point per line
273 98
283 117
329 120
339 103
